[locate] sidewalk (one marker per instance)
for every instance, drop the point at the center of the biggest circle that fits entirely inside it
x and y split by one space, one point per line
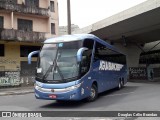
16 91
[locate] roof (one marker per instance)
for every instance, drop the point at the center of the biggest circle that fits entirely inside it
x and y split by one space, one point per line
68 38
77 37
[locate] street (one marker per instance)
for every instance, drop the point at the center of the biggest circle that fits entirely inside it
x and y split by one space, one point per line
133 97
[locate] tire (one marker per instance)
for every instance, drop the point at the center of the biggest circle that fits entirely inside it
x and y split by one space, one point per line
122 83
94 93
119 85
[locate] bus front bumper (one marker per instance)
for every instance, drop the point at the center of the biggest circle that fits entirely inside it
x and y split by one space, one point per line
72 93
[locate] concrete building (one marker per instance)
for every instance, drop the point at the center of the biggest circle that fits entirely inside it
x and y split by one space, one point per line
24 24
63 29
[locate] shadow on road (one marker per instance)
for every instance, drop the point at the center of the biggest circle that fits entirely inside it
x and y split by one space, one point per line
64 104
104 99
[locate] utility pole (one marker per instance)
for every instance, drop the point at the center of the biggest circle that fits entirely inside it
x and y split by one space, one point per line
69 16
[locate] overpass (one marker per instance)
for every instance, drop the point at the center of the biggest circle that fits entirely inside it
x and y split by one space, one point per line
130 30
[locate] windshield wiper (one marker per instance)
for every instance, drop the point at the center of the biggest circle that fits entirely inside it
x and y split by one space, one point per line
54 65
50 67
60 73
49 70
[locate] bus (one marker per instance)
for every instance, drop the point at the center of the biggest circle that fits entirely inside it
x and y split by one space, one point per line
76 67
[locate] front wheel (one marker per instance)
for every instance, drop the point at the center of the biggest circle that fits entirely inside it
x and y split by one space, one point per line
93 94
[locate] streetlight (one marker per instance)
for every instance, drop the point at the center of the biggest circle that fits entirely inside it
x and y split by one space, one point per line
69 16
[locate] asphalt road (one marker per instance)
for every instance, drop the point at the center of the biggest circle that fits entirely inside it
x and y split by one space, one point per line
133 97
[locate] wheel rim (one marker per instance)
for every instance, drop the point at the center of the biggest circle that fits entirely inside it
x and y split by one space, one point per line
119 85
93 93
122 83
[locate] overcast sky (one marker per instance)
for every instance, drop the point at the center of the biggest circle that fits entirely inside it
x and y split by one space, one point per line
86 12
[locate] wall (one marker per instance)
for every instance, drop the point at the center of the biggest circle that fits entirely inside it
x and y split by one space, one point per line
7 19
44 3
12 58
54 18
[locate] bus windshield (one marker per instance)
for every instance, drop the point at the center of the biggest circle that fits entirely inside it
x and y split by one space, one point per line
58 62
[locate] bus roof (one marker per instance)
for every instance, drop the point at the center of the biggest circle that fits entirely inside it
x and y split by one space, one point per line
79 37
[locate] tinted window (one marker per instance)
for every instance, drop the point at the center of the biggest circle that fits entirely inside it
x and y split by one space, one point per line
103 53
86 58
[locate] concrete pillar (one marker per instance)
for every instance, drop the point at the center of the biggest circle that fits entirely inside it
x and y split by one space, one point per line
132 54
12 20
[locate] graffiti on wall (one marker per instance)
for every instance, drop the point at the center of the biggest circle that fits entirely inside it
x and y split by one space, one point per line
137 73
10 78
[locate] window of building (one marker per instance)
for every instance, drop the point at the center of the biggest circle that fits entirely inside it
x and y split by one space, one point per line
1 22
52 6
53 28
2 50
32 3
25 25
25 50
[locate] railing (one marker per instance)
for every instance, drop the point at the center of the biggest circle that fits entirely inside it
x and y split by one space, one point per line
19 35
23 8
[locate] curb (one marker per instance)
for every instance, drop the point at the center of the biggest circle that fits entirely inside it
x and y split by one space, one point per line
16 93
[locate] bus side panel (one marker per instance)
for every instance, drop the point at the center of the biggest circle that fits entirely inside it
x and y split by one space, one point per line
102 78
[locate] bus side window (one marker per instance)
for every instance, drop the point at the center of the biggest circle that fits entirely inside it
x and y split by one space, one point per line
84 65
97 52
86 57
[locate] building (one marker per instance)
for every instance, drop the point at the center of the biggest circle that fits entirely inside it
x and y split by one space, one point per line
24 24
63 30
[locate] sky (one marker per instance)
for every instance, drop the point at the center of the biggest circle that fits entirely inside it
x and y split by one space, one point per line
87 12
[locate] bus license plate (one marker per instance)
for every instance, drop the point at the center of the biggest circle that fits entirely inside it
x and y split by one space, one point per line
53 96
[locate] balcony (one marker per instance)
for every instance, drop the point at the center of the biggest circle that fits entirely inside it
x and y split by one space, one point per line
19 35
23 9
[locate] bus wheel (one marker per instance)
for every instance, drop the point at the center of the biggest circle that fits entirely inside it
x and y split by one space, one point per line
122 82
94 93
119 85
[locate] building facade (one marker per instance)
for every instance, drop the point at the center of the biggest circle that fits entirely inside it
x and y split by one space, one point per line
24 24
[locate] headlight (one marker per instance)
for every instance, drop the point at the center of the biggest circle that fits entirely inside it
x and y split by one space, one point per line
38 84
73 87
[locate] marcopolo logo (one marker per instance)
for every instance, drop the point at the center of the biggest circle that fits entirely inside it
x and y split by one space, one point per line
110 66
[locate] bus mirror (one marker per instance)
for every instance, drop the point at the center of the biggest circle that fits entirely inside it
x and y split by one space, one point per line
80 52
30 56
